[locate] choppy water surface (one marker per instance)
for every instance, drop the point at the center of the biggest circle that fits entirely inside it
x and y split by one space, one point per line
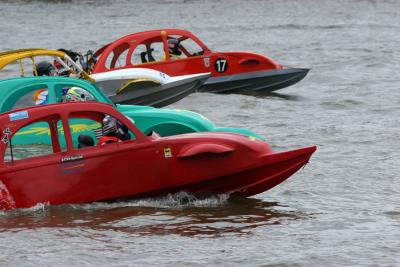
341 210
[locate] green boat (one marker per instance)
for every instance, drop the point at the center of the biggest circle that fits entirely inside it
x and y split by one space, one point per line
19 93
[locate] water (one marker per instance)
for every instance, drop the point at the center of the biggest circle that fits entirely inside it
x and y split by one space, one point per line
341 210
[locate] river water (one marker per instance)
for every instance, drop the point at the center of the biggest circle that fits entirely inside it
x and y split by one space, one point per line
343 209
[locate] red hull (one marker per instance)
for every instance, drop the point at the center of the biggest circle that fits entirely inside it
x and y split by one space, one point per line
146 166
275 169
230 71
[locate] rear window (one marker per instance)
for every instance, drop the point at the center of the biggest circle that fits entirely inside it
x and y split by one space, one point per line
32 140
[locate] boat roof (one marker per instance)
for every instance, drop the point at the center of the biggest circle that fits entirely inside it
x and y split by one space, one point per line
14 55
43 79
149 32
8 86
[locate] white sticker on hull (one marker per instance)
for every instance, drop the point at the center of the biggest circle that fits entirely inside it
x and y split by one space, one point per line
206 62
168 152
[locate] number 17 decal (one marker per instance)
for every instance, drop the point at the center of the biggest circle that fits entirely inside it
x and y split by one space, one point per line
221 65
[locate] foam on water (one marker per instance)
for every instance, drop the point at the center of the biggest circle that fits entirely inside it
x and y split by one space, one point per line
38 208
178 200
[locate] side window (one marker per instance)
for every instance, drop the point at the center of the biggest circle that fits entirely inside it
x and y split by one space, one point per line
121 60
30 141
30 96
84 131
153 51
23 67
141 55
71 93
11 70
191 47
108 60
187 46
118 57
92 128
158 51
112 130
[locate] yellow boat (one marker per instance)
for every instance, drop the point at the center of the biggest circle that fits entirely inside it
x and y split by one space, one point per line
12 56
135 86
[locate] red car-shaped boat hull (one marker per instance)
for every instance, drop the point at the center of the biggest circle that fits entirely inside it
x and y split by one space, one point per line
231 72
136 167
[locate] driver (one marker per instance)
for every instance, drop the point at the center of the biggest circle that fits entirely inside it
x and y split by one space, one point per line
113 131
45 68
173 48
77 94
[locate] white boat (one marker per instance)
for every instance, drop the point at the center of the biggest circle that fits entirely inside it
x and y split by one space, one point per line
140 86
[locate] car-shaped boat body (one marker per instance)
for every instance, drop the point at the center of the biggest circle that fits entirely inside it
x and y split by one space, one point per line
231 72
140 86
30 91
136 167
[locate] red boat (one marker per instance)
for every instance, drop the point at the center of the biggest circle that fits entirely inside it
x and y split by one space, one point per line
179 52
136 167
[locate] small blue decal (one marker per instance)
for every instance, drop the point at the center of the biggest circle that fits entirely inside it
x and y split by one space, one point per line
18 115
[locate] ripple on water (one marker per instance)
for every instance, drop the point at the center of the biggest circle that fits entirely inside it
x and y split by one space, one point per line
181 214
342 104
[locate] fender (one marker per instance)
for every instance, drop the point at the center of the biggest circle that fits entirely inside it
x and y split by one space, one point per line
141 82
249 61
170 128
194 150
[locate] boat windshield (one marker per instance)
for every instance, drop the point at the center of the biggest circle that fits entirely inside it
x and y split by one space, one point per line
188 46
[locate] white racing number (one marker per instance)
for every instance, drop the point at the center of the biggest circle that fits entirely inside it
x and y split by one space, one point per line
221 65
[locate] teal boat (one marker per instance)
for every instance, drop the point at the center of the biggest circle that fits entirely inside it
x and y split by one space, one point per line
25 92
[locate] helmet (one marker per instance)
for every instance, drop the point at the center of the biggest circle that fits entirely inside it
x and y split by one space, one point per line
173 47
45 68
112 127
77 94
109 125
